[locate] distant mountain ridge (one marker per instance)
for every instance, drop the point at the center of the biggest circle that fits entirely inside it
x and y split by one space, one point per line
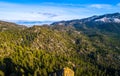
103 23
107 18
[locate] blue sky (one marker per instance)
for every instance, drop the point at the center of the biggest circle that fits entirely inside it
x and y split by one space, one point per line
64 1
55 10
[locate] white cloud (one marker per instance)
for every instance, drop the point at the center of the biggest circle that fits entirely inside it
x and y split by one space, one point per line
100 6
52 11
38 12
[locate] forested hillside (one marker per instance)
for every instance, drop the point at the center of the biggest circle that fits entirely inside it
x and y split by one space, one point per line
40 50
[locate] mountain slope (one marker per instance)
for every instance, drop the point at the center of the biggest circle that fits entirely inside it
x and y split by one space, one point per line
10 26
104 36
96 24
89 48
41 49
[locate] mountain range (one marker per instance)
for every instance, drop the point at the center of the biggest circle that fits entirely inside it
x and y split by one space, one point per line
107 18
104 23
89 46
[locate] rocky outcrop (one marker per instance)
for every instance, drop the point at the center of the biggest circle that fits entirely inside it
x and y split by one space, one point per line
68 72
63 72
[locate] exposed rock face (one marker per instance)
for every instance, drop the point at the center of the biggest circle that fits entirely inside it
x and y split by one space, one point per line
63 72
68 72
1 73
